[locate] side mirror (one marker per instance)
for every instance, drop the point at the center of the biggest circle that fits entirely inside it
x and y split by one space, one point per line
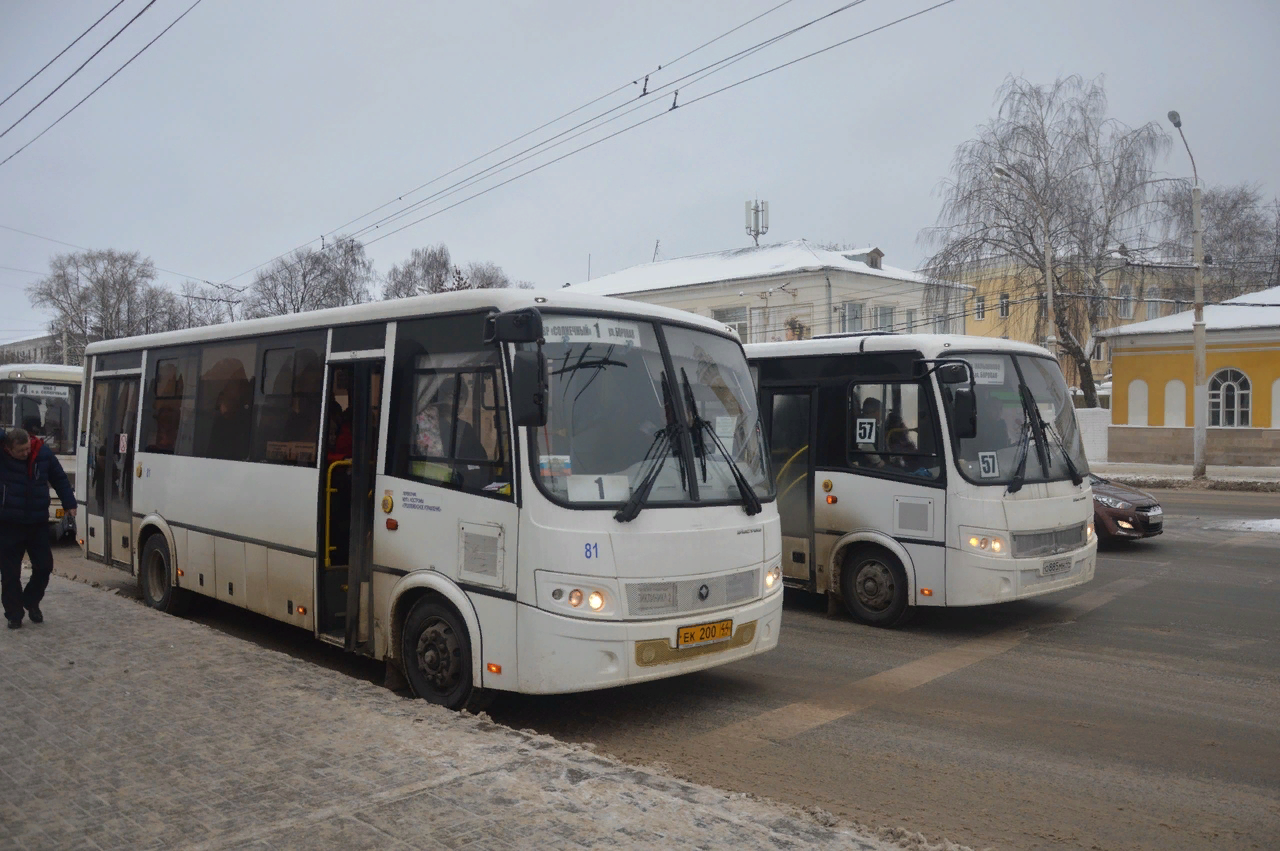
964 413
514 326
529 387
953 373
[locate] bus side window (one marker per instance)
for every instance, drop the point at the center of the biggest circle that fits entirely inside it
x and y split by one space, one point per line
892 430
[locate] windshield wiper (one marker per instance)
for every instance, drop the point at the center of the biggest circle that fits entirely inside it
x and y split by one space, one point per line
1020 471
1045 430
664 443
750 502
1076 478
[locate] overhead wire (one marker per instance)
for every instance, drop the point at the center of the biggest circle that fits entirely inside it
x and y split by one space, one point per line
60 53
78 69
104 82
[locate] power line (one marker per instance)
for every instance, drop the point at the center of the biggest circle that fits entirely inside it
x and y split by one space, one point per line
84 248
59 56
104 82
16 269
78 69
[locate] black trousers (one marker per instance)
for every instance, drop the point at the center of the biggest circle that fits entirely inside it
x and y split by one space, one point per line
15 540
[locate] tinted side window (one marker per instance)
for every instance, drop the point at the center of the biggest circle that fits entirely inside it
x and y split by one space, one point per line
449 423
287 400
224 401
892 430
168 419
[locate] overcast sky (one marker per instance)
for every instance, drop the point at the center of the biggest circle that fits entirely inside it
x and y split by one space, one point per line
254 126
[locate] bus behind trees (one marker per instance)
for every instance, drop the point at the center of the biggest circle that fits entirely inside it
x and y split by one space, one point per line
491 490
44 399
924 470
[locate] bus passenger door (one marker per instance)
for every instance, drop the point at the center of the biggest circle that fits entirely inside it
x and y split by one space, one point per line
352 417
109 510
790 419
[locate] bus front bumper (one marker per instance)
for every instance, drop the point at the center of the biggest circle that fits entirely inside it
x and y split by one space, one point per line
975 580
559 654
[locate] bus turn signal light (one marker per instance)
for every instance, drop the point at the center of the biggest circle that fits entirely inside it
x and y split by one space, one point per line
393 524
180 573
302 610
493 668
926 592
832 499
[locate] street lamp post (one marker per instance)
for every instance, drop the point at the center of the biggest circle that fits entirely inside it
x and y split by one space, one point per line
1200 399
1051 339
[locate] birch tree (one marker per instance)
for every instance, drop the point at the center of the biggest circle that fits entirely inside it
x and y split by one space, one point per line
311 279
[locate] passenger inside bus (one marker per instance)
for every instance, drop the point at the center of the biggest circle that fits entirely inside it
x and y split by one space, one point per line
448 441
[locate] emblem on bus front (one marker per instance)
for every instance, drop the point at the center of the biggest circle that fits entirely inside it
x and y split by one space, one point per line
703 593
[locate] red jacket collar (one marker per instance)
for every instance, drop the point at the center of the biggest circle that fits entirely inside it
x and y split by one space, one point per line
36 445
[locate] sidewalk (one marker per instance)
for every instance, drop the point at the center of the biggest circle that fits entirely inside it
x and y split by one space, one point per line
122 728
1179 476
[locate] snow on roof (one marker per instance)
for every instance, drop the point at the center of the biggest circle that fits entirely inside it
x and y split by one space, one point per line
1251 310
764 261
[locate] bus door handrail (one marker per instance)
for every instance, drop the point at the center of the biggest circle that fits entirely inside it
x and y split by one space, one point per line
329 491
800 478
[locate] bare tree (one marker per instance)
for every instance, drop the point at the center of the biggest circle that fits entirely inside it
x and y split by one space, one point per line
485 276
310 279
1046 191
97 295
1241 237
428 270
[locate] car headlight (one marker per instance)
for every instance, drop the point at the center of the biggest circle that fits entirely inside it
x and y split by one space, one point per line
1111 501
579 596
1090 532
773 578
985 542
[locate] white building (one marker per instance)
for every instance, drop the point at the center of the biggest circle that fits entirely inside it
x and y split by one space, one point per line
44 349
793 290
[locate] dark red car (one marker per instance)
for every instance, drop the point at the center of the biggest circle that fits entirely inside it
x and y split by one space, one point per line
1124 513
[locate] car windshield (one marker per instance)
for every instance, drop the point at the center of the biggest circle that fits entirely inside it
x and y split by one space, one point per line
612 402
992 456
47 411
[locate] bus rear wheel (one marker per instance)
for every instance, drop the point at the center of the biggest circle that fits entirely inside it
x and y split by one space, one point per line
437 656
154 578
874 587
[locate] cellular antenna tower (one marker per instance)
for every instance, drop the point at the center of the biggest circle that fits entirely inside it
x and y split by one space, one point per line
757 219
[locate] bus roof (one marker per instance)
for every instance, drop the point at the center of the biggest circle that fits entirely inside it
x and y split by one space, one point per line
930 345
41 372
548 301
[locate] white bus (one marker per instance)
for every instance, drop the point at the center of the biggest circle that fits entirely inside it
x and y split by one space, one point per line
924 470
491 490
44 399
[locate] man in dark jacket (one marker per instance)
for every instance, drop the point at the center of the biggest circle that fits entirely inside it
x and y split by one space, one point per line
27 469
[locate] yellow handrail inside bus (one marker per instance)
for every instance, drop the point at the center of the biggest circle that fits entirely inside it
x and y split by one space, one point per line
329 491
799 452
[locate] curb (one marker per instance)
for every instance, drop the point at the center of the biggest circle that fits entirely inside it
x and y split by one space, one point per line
1181 483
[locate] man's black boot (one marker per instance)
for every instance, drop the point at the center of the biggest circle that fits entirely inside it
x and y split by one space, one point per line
15 624
35 614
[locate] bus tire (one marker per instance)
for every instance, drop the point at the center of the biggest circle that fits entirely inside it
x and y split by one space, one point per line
436 651
155 578
874 587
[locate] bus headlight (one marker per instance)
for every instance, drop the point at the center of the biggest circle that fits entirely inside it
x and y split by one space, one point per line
1089 533
595 600
577 596
773 577
985 542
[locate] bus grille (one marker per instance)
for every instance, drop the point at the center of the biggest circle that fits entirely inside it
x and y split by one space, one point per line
1033 544
651 599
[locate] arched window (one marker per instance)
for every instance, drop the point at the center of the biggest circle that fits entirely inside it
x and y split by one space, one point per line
1137 402
1229 398
1124 302
1153 302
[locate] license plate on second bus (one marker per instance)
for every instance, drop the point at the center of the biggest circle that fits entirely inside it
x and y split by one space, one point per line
1057 565
704 633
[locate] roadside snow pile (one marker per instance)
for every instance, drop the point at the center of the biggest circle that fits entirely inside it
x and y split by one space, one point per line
1272 525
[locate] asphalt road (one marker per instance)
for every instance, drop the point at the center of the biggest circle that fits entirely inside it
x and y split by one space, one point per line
1140 711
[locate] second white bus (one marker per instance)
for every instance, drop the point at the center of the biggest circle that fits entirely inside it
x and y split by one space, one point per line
924 470
491 490
44 399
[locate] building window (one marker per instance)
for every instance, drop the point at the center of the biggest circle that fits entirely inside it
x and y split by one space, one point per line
911 319
734 317
1004 305
1179 305
980 309
851 319
1124 302
1153 303
1229 398
883 317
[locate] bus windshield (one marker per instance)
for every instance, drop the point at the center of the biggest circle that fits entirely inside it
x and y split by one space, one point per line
992 457
616 415
47 411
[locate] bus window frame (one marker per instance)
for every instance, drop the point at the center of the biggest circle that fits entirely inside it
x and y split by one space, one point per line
926 391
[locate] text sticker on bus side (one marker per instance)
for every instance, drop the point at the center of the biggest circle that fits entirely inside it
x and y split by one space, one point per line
55 391
988 465
592 330
866 431
987 371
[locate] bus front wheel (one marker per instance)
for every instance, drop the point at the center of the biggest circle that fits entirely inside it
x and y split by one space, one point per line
155 578
437 656
874 587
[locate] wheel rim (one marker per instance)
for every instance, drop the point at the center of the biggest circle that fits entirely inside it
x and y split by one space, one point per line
874 585
439 655
157 577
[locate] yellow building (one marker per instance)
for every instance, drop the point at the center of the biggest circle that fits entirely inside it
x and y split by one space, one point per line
1152 410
